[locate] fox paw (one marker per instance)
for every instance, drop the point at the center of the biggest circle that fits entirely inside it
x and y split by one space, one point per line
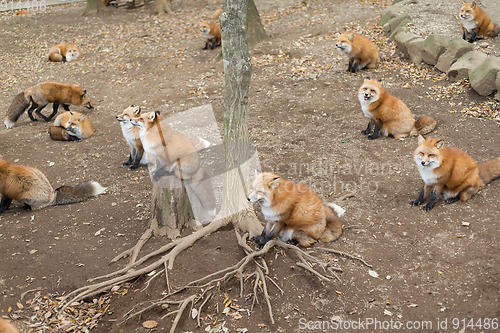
415 202
427 208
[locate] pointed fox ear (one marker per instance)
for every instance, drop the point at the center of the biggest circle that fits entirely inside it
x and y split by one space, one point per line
421 140
440 144
367 78
70 112
274 183
351 36
473 4
81 118
137 110
152 116
379 80
131 106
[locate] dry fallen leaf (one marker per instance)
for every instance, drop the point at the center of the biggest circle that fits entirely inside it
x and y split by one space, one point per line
149 324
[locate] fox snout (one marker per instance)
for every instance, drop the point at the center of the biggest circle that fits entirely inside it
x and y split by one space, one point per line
89 106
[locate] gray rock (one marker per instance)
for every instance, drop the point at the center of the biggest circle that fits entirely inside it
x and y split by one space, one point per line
433 47
483 76
455 49
415 50
402 40
460 69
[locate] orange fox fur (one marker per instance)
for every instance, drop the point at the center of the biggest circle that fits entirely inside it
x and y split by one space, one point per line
6 327
30 187
294 211
71 126
450 172
360 50
476 23
174 153
211 30
389 114
42 94
64 52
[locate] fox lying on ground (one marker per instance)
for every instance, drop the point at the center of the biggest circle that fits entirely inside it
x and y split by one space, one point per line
42 94
450 172
293 211
30 187
389 114
71 126
64 52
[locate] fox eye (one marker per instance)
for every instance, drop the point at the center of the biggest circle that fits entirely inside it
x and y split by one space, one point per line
431 155
372 90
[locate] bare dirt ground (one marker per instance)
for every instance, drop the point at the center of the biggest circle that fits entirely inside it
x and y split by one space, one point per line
305 120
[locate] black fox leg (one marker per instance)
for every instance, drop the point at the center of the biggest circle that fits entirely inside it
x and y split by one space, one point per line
472 37
213 44
349 69
66 107
206 45
130 159
5 203
420 198
258 240
463 36
431 202
368 128
40 108
55 108
354 66
30 111
376 130
138 158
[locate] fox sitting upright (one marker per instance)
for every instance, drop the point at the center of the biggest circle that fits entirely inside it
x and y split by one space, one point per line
30 187
360 50
476 23
450 172
42 94
211 30
131 134
293 211
174 153
389 114
71 126
64 52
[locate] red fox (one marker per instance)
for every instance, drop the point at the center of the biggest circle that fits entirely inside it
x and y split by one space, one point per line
30 187
360 50
6 327
64 52
71 126
211 30
42 94
293 211
450 172
131 134
476 23
389 114
174 153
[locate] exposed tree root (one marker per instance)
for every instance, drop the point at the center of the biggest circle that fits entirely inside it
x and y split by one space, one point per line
205 284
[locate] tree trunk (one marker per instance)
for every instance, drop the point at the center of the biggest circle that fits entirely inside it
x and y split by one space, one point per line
170 209
162 6
256 32
93 6
237 71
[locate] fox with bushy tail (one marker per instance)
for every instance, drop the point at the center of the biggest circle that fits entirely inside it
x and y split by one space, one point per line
30 187
42 94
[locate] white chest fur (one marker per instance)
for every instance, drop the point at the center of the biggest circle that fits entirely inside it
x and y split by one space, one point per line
269 214
427 174
469 24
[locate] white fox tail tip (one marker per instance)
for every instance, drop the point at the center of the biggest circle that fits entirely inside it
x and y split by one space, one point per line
8 123
206 143
339 210
98 188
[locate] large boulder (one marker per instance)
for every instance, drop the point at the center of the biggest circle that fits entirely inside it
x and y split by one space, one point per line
433 47
455 49
497 96
460 69
402 40
483 76
415 50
